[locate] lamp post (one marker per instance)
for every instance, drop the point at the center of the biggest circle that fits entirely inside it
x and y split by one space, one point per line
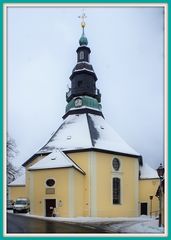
151 198
160 172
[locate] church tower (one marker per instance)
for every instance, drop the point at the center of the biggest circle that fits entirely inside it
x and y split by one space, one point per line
84 111
83 96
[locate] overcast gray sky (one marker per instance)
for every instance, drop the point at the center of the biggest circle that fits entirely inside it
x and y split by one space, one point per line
126 53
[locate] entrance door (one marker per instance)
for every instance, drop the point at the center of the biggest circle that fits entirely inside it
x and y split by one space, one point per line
143 208
50 205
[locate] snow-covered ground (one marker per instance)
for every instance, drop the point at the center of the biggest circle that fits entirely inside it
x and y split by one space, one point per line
142 224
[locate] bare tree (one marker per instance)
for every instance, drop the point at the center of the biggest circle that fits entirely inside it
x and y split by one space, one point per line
11 154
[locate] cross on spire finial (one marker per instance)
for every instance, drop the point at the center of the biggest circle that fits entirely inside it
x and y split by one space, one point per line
83 16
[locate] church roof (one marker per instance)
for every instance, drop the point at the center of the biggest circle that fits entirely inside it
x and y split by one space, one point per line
20 181
57 159
147 172
83 40
87 131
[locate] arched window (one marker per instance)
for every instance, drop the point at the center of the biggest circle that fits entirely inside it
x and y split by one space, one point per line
81 55
116 190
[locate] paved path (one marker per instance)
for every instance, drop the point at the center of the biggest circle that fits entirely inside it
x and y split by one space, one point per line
17 223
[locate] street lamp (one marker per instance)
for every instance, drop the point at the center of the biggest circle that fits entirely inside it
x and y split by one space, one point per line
160 172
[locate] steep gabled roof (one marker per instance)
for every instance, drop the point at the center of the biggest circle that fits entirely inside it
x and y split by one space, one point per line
56 159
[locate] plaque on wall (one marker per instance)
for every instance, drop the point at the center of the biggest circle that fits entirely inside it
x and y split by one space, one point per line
50 190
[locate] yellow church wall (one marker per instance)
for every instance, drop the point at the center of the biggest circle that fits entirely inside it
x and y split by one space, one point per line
99 174
28 181
38 194
147 188
17 192
23 191
77 183
76 195
82 159
128 174
65 191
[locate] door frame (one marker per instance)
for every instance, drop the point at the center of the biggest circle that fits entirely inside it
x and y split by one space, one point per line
45 200
141 207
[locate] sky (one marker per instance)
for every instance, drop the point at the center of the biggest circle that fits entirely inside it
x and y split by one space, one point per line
127 56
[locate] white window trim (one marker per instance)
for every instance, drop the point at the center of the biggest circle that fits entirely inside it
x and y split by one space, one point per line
46 186
120 168
121 189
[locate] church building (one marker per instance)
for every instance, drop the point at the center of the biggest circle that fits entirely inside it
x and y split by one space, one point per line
86 168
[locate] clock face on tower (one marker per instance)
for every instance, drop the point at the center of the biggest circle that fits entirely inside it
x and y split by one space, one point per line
78 102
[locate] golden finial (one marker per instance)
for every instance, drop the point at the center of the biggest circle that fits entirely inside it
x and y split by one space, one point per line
83 16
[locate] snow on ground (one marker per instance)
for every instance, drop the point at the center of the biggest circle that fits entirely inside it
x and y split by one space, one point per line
142 224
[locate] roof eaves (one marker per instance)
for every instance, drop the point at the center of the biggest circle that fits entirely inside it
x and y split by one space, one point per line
150 178
79 168
47 168
100 150
33 157
40 169
17 185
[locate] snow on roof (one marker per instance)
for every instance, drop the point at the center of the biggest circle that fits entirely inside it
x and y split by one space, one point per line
106 138
57 159
85 107
83 62
147 172
84 131
72 134
78 70
20 181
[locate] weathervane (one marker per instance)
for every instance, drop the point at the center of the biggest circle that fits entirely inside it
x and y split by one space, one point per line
83 16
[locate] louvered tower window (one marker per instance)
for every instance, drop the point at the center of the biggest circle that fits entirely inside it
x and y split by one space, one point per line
81 55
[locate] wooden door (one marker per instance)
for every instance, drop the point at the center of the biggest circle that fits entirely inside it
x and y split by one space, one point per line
143 208
50 205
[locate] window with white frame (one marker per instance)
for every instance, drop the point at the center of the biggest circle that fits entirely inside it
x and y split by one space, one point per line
116 164
50 182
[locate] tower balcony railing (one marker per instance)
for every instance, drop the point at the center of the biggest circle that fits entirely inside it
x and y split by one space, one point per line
98 94
97 91
68 94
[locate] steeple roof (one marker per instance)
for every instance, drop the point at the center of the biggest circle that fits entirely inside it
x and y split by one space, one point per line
83 39
83 90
